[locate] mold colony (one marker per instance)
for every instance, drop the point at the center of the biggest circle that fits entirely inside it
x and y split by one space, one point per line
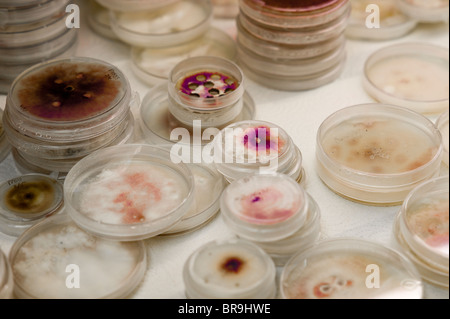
70 116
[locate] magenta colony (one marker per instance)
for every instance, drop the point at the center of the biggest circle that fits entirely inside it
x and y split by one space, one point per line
259 139
295 5
208 85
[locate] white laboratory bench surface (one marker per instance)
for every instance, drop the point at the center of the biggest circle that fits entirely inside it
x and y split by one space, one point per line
300 114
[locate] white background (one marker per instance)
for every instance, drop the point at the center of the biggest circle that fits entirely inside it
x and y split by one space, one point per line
300 114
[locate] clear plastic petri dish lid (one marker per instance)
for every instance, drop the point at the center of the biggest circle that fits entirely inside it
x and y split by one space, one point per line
350 269
225 9
30 163
303 36
376 154
282 250
229 269
427 11
128 192
264 207
46 254
443 126
251 147
6 278
5 147
424 222
26 200
134 5
65 151
393 23
174 24
12 71
153 65
13 36
293 15
285 51
294 83
429 273
291 67
412 75
39 52
209 185
31 12
69 99
100 21
158 126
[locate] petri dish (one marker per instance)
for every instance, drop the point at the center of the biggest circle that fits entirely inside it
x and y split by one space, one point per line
29 34
422 229
442 124
231 269
393 23
427 11
153 65
208 89
290 67
350 269
158 124
293 15
412 75
293 83
174 24
209 185
303 36
134 5
27 200
128 192
30 163
264 208
376 154
6 278
55 256
225 9
100 21
252 147
5 147
30 12
281 251
88 97
284 51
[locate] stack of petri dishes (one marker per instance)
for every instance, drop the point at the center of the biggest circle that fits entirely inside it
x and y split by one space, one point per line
273 212
292 46
421 230
32 31
60 111
162 33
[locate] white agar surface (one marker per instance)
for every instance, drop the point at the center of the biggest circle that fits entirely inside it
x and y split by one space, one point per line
40 265
379 145
209 267
177 17
412 77
131 194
